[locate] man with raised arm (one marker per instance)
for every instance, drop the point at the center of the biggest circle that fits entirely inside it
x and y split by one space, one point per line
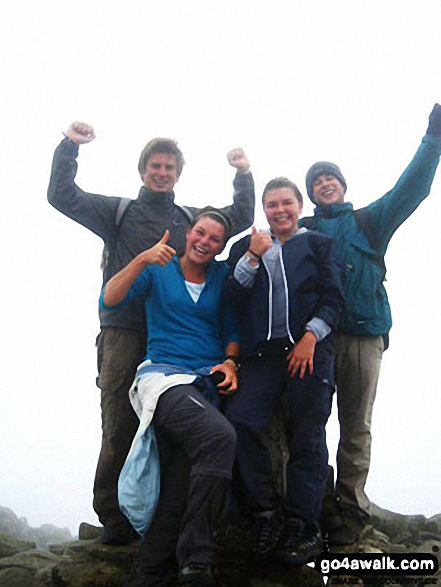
127 229
362 237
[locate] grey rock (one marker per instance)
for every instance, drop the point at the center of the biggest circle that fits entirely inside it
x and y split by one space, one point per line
16 577
19 528
10 545
89 532
88 563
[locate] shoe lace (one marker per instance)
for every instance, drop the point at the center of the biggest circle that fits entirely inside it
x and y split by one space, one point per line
293 533
196 568
266 531
263 531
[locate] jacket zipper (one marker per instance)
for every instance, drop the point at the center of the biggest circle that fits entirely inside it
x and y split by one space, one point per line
285 283
270 300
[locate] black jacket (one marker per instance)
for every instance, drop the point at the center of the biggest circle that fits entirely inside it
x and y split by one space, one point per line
142 226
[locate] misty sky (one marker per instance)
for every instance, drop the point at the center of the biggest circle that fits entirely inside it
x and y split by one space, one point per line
292 82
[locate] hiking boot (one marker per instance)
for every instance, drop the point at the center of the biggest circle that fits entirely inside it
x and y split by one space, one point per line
267 529
148 575
117 533
197 575
299 543
347 528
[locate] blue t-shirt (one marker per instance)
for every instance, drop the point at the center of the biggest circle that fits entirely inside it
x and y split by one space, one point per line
180 331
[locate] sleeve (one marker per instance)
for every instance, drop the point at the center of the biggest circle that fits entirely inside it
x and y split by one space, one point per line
141 287
319 328
235 292
241 211
332 276
93 211
390 211
245 273
230 320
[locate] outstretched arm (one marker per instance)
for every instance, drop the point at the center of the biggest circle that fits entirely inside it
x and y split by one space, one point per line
94 211
389 212
116 288
241 211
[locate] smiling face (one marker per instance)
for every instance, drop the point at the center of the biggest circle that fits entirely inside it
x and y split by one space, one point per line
205 240
282 210
160 173
326 189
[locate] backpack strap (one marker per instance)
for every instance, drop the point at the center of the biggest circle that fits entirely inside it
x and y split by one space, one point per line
123 206
187 213
121 211
308 222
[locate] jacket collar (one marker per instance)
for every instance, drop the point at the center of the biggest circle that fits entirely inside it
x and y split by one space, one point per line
333 210
156 197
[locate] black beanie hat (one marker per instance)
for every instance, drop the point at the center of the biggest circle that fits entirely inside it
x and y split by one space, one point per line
322 168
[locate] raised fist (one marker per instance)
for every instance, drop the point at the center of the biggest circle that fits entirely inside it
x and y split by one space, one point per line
238 159
80 133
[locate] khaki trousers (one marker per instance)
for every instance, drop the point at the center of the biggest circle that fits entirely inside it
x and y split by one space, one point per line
358 360
119 353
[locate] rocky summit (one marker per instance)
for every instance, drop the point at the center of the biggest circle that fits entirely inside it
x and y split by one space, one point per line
88 563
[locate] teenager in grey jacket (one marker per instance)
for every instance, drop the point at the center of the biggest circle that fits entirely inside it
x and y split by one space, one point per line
121 342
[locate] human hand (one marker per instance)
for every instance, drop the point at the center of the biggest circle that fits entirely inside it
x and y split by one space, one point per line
229 384
301 355
237 158
160 254
80 133
434 127
260 242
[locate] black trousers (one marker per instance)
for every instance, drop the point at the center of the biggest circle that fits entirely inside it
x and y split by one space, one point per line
262 381
197 448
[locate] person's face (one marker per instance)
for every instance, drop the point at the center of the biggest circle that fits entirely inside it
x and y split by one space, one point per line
326 189
282 210
205 240
160 172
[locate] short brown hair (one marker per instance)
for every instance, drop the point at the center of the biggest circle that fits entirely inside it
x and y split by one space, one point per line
168 146
282 182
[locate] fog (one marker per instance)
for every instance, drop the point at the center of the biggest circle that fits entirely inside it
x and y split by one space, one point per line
291 82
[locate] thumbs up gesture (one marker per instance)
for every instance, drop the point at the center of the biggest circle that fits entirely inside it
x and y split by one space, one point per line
160 254
260 242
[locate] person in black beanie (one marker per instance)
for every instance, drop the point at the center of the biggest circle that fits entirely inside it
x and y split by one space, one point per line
362 237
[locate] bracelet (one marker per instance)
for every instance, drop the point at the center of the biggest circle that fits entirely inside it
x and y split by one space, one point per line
232 358
254 254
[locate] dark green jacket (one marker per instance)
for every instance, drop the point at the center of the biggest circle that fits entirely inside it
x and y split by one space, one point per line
362 238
